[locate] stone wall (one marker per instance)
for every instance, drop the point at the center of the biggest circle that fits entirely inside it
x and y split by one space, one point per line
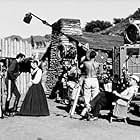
58 39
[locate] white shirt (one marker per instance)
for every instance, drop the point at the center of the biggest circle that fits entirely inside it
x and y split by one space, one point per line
108 87
129 92
37 77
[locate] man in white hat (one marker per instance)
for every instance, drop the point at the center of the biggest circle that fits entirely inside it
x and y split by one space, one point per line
121 107
131 90
135 78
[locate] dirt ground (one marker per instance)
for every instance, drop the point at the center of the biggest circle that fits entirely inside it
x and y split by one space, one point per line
59 126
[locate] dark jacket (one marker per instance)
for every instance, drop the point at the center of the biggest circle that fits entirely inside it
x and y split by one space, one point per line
13 70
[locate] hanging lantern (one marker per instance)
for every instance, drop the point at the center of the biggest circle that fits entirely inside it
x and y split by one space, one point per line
27 18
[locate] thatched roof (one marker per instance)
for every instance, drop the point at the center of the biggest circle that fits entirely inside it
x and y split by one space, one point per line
99 41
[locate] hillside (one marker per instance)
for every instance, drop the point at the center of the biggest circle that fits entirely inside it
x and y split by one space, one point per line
99 41
38 40
119 28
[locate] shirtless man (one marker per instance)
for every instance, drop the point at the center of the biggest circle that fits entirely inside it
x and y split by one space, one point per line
91 84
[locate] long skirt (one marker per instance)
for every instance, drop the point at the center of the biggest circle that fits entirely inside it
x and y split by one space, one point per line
35 102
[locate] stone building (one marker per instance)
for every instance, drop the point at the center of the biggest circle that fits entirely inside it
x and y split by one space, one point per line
62 47
68 41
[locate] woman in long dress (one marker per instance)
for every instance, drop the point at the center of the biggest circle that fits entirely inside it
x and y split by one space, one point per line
35 103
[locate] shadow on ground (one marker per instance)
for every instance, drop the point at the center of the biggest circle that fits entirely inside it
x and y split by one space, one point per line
65 108
133 122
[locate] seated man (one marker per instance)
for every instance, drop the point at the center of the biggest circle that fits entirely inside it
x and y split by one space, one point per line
121 107
121 103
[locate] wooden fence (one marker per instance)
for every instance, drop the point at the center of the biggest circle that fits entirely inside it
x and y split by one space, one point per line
9 48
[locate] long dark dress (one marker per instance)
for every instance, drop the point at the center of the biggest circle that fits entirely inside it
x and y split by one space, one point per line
35 103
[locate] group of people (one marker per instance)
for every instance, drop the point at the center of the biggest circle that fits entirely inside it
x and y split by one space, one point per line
94 99
35 103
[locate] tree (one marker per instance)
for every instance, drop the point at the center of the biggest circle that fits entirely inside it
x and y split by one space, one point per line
117 20
96 26
136 15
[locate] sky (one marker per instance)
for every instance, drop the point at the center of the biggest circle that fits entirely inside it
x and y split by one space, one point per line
12 13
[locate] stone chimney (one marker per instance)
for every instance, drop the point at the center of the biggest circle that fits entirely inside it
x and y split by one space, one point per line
61 30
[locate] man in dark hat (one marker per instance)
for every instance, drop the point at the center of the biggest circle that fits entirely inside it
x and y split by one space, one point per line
12 73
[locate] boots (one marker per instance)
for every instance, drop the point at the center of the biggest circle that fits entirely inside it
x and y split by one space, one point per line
1 113
14 108
7 106
6 112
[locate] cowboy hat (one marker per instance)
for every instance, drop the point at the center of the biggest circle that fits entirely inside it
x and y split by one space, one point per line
135 77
